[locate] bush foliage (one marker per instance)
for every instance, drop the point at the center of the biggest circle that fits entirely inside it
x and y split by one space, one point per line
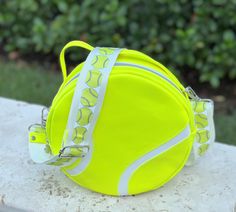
196 38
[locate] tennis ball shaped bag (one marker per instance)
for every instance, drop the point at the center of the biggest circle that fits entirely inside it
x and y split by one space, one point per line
121 123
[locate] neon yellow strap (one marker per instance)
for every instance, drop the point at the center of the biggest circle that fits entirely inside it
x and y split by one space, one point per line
75 43
37 137
37 134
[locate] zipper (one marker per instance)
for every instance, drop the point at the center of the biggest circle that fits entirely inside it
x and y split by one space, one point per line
141 67
74 77
149 70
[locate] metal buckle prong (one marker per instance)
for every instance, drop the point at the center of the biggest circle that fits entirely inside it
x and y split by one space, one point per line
72 146
191 93
44 116
33 125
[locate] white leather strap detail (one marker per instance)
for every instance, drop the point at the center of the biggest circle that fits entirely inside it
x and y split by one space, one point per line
39 149
205 135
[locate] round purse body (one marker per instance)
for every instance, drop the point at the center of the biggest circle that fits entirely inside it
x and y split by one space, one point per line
144 130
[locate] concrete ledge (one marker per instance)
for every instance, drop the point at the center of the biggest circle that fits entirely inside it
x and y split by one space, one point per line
208 186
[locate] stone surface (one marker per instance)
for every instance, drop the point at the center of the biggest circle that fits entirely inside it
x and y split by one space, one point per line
210 185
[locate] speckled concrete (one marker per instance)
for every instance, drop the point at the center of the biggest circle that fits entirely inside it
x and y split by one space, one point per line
208 186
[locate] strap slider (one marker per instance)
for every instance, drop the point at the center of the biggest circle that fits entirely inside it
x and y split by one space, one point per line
73 151
191 93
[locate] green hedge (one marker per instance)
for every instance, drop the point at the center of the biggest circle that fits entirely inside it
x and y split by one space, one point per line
196 38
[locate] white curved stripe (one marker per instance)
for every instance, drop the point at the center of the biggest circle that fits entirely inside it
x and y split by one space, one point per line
125 177
83 163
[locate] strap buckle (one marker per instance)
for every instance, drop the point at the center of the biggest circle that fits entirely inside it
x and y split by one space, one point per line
191 93
74 151
44 115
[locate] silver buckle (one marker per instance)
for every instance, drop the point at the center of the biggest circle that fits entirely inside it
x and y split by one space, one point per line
62 151
44 115
191 93
33 125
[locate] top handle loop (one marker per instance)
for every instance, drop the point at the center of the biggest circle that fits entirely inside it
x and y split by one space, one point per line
76 43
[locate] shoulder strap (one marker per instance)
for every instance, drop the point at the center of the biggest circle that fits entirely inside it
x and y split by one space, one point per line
87 102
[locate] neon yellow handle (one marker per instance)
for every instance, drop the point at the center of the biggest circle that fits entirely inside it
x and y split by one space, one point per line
75 43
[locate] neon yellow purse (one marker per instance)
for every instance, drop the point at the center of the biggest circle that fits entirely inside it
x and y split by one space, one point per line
121 123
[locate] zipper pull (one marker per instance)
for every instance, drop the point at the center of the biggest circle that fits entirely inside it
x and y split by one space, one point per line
191 93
